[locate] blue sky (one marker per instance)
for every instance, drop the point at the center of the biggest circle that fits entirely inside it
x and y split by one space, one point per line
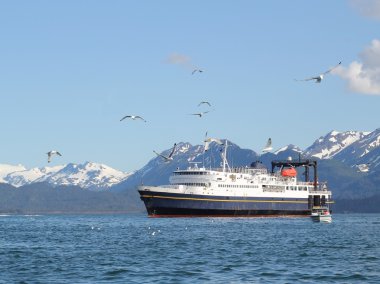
69 70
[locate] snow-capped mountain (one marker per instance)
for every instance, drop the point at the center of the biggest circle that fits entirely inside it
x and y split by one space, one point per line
88 175
363 151
326 147
22 177
7 169
350 148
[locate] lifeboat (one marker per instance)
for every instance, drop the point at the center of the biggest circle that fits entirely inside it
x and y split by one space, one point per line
290 172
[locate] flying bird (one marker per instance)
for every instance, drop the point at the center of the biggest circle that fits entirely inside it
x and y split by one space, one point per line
167 158
196 70
268 147
209 140
134 117
200 114
319 78
204 103
52 153
363 168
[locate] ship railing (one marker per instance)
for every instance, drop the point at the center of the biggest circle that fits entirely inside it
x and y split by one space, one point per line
238 170
320 191
243 170
306 183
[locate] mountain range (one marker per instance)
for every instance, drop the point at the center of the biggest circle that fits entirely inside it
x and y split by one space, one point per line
338 154
92 176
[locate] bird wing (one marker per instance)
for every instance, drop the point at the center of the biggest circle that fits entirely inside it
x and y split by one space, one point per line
160 155
216 140
125 117
172 152
307 79
328 71
139 117
268 146
49 156
207 144
201 103
196 114
59 154
195 70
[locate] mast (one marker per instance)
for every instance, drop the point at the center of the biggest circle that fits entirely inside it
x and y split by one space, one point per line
224 156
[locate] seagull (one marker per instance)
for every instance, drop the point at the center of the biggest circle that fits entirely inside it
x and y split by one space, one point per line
268 146
196 70
209 140
134 117
207 103
167 158
200 114
319 78
51 153
363 168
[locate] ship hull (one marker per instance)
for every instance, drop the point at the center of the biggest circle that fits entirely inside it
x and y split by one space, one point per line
164 204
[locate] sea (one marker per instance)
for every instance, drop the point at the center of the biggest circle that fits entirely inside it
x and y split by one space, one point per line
133 248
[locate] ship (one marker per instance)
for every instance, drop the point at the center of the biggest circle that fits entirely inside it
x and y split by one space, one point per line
250 191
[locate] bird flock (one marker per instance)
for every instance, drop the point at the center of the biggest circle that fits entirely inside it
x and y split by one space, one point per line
169 157
268 147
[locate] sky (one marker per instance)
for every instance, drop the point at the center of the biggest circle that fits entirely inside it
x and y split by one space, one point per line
70 70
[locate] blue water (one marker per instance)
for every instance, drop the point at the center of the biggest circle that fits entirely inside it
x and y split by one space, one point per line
136 249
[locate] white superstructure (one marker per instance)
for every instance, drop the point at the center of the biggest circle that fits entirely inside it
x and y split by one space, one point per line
241 181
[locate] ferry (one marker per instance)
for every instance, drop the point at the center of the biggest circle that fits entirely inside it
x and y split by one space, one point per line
250 191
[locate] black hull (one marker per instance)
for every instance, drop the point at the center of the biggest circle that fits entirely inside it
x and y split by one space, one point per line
170 212
159 204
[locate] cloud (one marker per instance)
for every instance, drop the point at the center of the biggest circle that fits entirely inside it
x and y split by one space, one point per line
367 8
363 77
181 60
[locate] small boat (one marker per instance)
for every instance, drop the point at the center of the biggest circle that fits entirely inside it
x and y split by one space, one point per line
321 214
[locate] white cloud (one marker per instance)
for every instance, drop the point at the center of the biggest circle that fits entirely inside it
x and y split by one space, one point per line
363 77
179 59
368 8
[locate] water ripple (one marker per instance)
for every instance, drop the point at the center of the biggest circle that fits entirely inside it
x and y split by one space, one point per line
123 249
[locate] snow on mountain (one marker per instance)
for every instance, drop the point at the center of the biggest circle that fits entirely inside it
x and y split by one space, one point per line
328 146
23 177
289 147
89 175
363 151
7 169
